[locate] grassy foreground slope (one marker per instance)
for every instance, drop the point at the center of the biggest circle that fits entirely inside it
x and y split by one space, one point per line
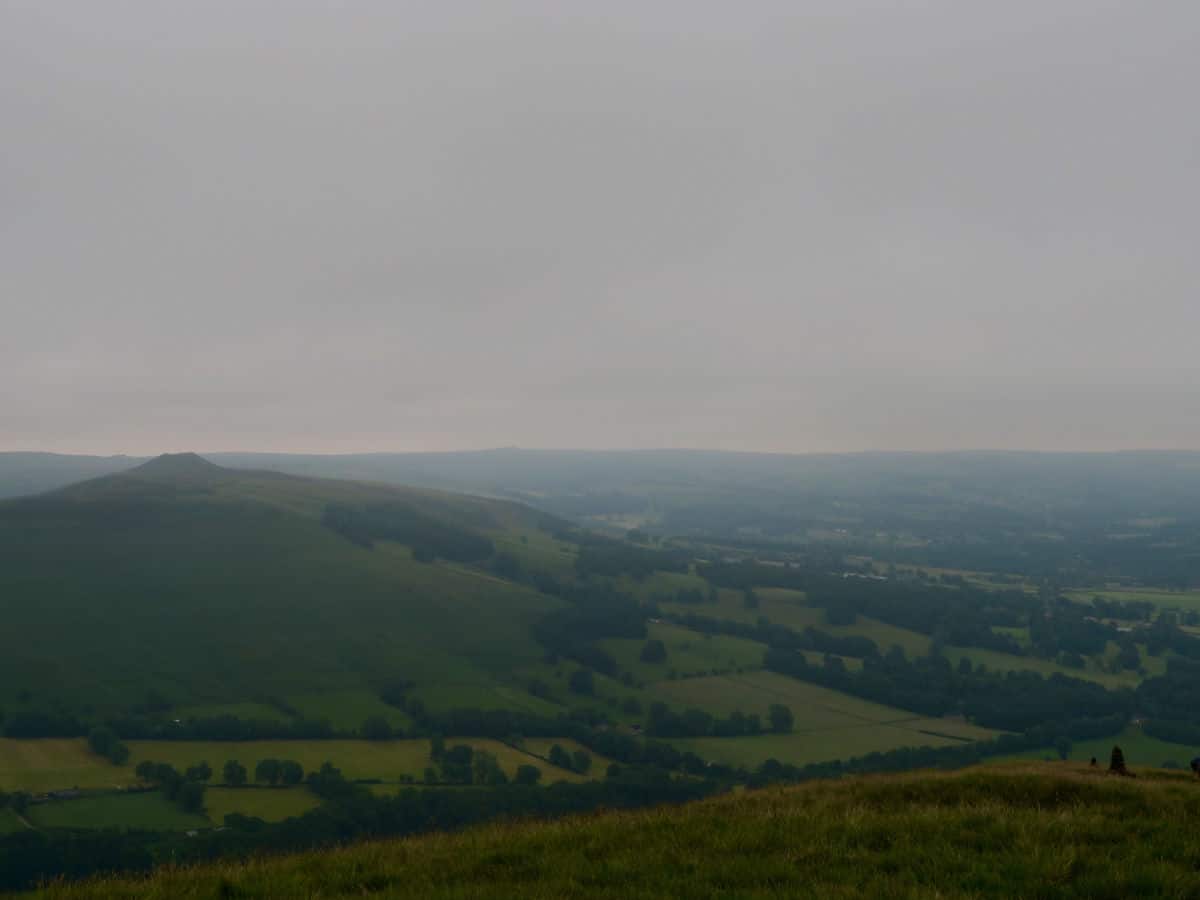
1019 830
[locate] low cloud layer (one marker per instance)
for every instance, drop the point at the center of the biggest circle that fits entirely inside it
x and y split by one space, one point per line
778 226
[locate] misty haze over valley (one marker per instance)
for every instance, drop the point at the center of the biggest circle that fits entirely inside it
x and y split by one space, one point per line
528 449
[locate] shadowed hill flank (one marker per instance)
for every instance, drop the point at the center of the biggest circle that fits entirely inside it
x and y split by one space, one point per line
1032 830
182 582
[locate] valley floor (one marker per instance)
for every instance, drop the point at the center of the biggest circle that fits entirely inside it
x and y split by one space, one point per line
1013 830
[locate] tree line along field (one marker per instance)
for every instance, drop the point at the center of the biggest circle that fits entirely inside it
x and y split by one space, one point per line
47 764
40 766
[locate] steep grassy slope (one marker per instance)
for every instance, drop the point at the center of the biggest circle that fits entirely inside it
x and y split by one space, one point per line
208 585
1026 830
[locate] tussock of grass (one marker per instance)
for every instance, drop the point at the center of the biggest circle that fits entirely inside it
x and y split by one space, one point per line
1018 830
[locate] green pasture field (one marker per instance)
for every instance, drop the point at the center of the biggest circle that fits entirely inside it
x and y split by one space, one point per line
1140 749
10 822
813 706
47 764
481 694
536 550
610 693
660 583
1006 662
950 726
828 724
258 712
540 747
784 607
689 653
1019 634
149 810
811 747
1182 600
986 580
852 663
346 710
269 804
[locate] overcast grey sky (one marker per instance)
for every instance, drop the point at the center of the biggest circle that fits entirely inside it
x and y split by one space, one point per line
749 225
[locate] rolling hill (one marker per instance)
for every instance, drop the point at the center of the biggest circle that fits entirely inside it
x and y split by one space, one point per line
1018 830
193 584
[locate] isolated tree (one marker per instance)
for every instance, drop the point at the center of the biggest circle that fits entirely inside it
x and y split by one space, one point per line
190 796
437 747
581 761
376 728
290 772
654 651
145 770
456 764
527 774
560 757
101 740
235 773
581 682
781 718
267 770
749 599
1129 658
485 769
202 771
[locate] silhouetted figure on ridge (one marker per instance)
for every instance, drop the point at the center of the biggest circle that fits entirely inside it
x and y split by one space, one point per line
1116 763
1093 764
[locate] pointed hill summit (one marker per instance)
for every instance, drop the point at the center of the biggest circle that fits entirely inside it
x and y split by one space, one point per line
181 584
177 465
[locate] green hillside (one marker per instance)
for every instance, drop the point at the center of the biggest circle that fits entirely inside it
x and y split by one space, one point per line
193 585
1018 830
